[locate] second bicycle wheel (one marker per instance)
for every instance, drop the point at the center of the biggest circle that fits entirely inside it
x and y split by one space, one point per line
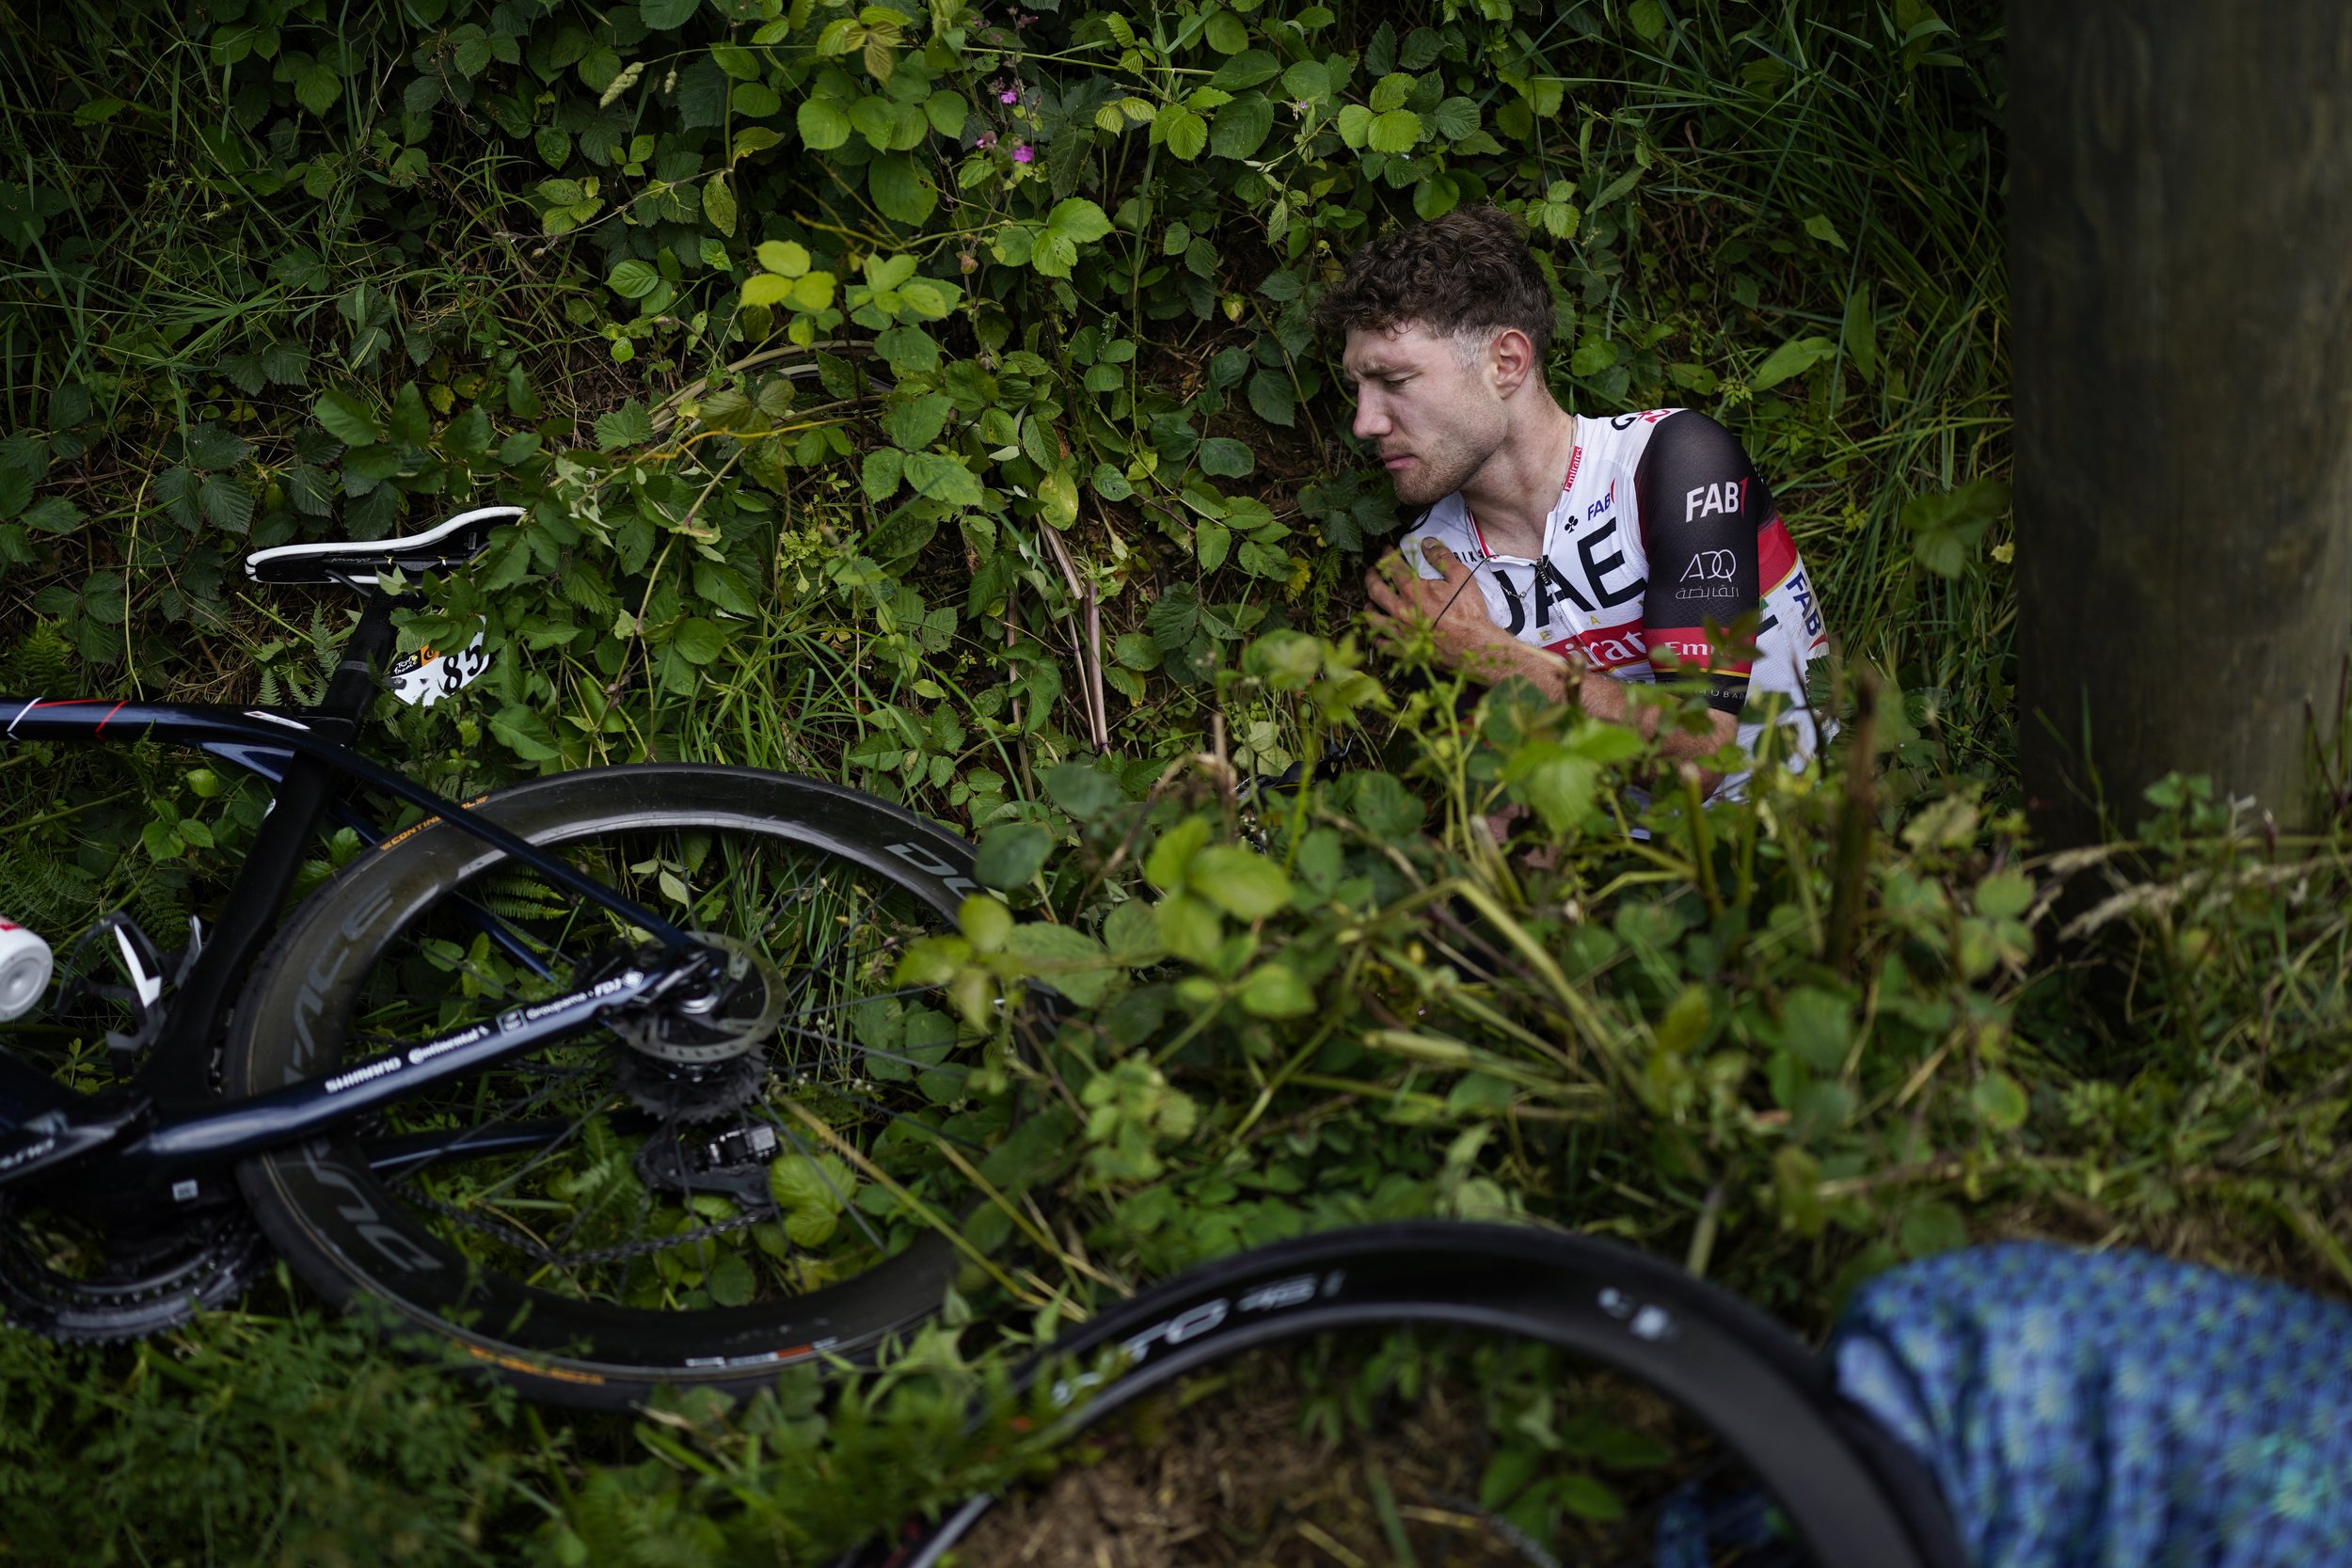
628 1208
1524 1383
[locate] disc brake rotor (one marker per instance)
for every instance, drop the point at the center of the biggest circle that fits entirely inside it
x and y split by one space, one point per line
697 1059
730 1019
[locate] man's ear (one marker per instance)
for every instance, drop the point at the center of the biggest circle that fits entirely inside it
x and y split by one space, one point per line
1510 360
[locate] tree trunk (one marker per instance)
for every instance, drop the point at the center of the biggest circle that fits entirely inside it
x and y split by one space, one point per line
2180 262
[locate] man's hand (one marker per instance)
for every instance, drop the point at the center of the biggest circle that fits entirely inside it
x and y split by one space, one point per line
1450 608
1453 610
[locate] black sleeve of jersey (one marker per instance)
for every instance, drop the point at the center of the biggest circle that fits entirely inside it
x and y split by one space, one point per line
1701 506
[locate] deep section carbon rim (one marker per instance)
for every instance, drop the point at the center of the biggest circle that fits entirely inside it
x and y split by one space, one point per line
1846 1496
670 1199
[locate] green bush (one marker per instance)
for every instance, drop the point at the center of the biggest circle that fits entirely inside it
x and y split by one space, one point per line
922 397
968 343
1790 1042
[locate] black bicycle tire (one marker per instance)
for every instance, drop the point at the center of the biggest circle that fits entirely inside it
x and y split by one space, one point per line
1855 1497
333 1223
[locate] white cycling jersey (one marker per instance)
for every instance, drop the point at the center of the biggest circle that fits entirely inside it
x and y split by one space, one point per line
1662 528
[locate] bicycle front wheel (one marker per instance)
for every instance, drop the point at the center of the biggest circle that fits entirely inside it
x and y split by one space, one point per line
1643 1407
621 1209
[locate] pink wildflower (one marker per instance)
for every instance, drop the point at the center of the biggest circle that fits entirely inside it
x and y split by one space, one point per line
1008 96
986 140
1023 153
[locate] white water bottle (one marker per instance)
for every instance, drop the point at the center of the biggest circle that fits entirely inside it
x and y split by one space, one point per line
24 970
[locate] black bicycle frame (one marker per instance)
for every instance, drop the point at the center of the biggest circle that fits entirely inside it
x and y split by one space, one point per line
167 1121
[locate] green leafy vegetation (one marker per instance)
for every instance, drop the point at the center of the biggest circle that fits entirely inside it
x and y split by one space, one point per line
922 397
267 1438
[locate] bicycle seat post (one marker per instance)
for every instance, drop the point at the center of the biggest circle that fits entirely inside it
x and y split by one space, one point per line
177 1066
353 686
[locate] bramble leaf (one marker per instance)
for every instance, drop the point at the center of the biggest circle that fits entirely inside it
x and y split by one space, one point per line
346 419
719 204
1307 82
1184 131
1455 119
1070 961
1271 400
633 280
1225 457
767 288
1011 854
900 189
1395 131
1241 126
1077 219
822 124
1243 883
785 257
1275 990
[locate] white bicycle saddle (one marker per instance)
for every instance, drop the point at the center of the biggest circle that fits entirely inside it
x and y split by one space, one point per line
355 564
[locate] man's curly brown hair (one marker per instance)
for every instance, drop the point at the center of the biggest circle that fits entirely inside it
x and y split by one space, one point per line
1469 271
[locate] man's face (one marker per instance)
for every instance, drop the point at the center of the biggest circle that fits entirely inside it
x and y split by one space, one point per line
1425 405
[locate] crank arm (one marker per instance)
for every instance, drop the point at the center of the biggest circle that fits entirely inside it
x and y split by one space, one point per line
50 1141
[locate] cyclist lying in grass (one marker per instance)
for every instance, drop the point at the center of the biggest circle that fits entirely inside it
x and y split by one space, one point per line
1605 551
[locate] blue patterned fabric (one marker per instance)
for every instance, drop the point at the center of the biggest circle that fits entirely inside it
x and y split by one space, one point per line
2113 1410
2105 1410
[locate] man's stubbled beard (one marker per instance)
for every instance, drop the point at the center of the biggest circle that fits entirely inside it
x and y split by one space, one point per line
1441 472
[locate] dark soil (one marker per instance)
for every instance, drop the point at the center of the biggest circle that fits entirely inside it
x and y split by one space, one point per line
1228 1476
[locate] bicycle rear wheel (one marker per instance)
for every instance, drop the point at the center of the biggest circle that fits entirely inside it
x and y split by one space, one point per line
1655 1361
618 1211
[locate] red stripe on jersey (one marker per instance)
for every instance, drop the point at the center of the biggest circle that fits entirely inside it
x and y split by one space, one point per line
1775 553
1575 457
1690 645
1605 647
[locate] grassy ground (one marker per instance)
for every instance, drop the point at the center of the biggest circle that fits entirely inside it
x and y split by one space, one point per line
858 443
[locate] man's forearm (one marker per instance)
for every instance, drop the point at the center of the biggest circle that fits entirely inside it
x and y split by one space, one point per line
1468 639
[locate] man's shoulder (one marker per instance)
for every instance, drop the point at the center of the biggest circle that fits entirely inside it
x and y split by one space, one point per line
1671 435
1638 423
1647 430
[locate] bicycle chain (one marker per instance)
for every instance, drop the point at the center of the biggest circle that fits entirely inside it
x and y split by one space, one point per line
532 1247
